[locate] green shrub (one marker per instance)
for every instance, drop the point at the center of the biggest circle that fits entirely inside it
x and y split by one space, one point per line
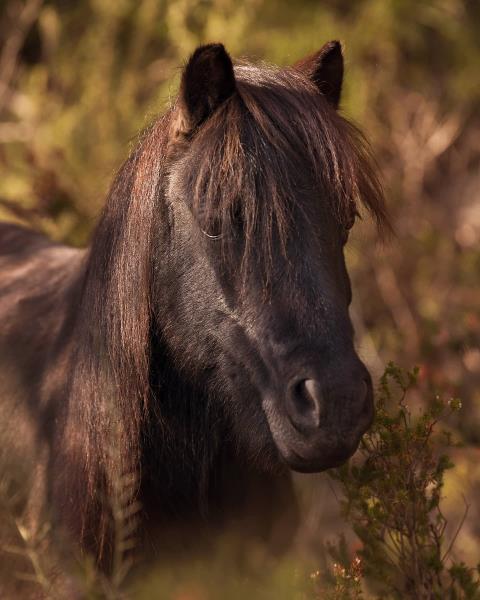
392 498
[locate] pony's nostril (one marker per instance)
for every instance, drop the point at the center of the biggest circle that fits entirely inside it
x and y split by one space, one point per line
307 402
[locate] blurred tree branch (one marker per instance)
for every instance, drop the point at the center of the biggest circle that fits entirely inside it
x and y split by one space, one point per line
23 17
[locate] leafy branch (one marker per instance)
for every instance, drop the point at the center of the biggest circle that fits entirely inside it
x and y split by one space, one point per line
392 497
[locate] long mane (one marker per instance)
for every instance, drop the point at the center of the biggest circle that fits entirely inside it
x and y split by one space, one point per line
109 393
244 158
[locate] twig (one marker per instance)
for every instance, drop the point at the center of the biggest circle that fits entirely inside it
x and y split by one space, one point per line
457 531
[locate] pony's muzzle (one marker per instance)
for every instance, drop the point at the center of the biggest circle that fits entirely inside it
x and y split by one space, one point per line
320 423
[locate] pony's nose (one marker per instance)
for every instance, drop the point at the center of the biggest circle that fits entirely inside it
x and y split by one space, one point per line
304 403
308 407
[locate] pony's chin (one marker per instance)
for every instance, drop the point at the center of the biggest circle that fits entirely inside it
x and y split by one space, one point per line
304 463
314 455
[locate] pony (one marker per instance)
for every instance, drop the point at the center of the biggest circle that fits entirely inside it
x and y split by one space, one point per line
200 348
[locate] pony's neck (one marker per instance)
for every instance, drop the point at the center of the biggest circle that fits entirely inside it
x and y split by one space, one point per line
194 480
183 434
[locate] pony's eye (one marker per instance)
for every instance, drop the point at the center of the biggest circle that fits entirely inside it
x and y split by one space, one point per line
345 231
346 227
210 225
213 229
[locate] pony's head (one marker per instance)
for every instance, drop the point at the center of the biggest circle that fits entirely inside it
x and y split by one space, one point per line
261 183
264 182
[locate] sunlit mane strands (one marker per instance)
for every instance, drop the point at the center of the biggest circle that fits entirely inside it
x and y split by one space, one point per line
114 358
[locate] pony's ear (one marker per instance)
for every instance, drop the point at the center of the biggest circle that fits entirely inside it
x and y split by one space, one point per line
325 69
207 81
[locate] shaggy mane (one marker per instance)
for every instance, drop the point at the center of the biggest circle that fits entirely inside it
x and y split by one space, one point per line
267 145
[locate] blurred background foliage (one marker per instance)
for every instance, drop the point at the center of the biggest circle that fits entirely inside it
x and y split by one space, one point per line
79 79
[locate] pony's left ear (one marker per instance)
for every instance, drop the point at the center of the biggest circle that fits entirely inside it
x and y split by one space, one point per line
207 81
325 69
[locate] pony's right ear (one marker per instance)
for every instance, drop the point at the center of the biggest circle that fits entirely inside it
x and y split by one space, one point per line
207 81
325 69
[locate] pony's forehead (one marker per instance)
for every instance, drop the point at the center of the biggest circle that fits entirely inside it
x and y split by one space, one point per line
277 137
267 75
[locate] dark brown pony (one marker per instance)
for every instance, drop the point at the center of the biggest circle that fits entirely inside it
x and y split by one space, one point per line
201 347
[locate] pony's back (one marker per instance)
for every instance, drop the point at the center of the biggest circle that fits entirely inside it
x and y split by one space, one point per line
37 281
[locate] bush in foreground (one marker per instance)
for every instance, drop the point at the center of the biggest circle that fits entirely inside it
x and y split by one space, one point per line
392 498
391 495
